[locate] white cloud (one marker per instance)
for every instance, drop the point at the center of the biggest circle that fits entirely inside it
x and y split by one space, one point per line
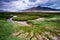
15 5
55 4
19 5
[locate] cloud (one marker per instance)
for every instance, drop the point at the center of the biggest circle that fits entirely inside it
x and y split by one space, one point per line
55 4
19 5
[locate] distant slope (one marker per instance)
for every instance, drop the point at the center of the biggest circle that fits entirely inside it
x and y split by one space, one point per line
41 9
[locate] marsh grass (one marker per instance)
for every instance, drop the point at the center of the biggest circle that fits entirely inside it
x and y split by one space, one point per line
40 30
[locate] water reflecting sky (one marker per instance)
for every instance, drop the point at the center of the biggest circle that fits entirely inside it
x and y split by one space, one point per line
19 5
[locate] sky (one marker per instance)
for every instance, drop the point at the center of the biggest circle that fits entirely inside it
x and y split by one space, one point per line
20 5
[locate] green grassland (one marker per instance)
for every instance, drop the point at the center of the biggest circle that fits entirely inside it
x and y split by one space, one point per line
45 28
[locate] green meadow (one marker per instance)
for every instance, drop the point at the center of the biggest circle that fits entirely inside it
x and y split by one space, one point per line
29 26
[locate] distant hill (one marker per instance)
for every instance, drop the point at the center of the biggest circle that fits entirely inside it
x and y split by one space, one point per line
41 9
38 9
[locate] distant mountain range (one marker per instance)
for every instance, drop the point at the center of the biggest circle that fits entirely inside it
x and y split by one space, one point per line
38 9
41 9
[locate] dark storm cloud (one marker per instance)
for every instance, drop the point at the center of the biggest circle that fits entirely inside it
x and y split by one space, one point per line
19 5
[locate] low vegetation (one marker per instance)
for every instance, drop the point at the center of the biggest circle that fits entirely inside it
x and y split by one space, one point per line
25 18
43 28
47 28
6 29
